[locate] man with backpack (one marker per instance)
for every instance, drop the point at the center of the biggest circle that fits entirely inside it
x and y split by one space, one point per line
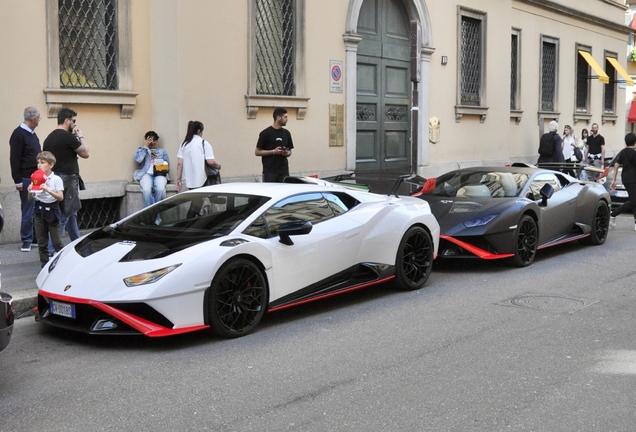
550 145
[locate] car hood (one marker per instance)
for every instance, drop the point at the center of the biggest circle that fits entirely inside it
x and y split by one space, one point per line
452 212
100 274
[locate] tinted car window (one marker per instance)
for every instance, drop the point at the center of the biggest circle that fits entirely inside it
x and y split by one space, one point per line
193 215
340 202
312 207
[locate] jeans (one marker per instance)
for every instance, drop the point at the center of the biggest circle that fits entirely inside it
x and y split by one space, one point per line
147 182
70 224
26 224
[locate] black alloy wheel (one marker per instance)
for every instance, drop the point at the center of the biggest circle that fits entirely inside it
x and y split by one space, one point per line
414 259
237 299
600 225
526 241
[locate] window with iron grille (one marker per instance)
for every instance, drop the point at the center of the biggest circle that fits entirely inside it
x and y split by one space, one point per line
88 44
609 92
470 61
514 69
89 55
275 47
582 83
549 54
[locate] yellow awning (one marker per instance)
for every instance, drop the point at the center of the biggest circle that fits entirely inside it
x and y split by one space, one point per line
602 76
622 72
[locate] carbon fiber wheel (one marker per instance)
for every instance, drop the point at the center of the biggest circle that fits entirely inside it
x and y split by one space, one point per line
237 299
526 242
414 259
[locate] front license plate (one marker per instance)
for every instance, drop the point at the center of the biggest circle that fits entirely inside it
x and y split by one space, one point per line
62 309
620 194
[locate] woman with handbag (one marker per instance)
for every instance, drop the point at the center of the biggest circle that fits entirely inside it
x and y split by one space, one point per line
571 151
152 172
194 156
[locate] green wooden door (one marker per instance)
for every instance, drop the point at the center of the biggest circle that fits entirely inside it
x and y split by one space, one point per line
383 87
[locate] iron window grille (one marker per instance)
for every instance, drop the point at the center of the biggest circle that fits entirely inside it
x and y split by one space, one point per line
548 76
470 61
97 213
88 44
275 47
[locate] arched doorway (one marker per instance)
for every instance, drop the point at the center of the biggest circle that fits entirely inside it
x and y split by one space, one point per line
353 37
383 89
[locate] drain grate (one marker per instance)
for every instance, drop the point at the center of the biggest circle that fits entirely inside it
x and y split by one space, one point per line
548 303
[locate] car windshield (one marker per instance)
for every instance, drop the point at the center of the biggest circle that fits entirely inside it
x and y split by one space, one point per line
200 215
480 184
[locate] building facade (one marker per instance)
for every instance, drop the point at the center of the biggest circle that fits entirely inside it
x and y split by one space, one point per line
373 85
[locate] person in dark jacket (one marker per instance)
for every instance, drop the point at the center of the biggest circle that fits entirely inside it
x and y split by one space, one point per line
557 153
626 158
25 147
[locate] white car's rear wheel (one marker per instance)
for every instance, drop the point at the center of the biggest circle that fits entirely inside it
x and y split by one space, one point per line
414 259
237 299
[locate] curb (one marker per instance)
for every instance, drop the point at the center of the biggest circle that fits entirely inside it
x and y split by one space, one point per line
24 301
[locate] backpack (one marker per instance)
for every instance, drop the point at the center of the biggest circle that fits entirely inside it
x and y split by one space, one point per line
546 144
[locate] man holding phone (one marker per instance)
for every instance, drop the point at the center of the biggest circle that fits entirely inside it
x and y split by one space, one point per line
275 146
67 142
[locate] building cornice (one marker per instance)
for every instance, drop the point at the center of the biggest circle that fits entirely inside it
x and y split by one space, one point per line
560 9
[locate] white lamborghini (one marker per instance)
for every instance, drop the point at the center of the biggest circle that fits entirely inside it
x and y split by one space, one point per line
220 257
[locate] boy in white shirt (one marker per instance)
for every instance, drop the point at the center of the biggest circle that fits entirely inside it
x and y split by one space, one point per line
48 190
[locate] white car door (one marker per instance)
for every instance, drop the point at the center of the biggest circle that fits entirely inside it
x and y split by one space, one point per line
331 247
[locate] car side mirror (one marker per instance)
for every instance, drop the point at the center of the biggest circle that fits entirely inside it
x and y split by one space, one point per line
546 193
293 228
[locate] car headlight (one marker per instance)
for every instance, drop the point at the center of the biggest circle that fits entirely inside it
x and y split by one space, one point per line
149 277
480 221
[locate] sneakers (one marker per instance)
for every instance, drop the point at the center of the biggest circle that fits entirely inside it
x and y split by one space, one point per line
26 247
612 223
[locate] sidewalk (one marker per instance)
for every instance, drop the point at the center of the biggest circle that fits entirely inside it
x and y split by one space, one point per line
19 270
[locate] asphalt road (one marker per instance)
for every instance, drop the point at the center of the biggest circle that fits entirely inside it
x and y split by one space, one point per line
484 347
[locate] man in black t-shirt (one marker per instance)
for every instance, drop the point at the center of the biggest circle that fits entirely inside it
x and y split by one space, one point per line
67 142
275 146
627 159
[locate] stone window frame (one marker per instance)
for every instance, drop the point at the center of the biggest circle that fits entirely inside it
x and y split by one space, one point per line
555 112
482 109
610 114
254 101
579 113
57 97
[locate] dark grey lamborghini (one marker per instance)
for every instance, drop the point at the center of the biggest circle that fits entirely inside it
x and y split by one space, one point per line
511 212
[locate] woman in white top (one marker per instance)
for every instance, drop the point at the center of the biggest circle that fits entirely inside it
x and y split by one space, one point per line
192 152
569 144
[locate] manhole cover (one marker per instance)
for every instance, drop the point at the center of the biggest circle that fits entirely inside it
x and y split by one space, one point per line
548 303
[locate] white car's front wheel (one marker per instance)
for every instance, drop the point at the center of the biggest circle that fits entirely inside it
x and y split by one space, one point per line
237 299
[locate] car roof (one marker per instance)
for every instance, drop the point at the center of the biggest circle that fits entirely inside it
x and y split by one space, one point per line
272 190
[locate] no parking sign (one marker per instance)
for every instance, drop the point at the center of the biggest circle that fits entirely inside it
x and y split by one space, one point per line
335 76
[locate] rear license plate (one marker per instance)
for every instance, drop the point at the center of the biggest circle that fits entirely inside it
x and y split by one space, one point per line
620 194
62 309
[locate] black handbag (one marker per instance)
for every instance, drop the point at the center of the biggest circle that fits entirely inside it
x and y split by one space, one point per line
213 175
